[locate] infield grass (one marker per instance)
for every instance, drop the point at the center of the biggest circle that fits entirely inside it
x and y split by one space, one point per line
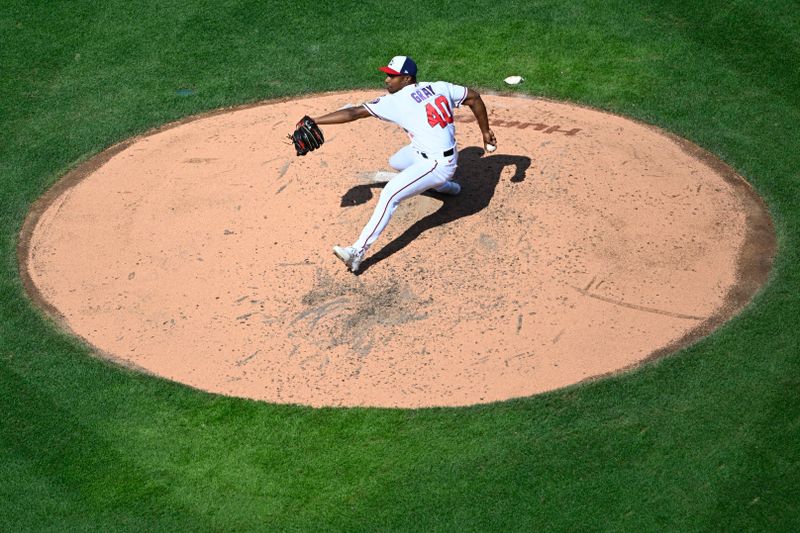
703 440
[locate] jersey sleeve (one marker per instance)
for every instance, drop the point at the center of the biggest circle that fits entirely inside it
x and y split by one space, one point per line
381 108
458 94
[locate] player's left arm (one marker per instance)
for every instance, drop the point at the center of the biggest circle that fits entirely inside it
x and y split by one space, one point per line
475 103
342 116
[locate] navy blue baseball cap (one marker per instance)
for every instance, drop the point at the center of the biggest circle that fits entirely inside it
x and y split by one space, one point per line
400 66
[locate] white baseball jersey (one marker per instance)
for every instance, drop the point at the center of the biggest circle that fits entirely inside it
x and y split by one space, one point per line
425 111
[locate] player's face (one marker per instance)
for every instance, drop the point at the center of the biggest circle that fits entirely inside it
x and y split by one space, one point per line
395 83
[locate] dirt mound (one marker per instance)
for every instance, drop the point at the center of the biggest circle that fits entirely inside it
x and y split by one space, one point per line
586 244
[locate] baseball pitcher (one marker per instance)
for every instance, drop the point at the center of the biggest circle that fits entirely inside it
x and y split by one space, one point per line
425 111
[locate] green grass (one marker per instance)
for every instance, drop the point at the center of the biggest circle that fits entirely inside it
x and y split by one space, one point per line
705 440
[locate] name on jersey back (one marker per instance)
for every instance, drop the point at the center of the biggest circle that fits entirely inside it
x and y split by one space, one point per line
422 94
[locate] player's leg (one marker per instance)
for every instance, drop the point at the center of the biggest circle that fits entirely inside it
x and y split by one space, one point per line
423 175
407 156
403 158
450 187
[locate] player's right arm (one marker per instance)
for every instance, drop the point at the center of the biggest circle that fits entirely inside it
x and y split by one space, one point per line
342 116
475 103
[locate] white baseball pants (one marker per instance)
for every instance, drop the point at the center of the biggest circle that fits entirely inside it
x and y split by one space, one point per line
417 175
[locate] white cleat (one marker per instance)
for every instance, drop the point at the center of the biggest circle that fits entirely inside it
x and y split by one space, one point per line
451 187
350 256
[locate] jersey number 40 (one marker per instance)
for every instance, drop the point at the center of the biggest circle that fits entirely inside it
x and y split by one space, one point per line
441 116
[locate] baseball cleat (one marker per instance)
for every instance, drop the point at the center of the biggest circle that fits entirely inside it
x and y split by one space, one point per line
350 256
451 187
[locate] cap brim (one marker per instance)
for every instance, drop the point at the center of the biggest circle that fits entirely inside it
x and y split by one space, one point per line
388 70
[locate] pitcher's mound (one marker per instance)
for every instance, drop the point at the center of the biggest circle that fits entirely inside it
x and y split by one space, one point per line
585 244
